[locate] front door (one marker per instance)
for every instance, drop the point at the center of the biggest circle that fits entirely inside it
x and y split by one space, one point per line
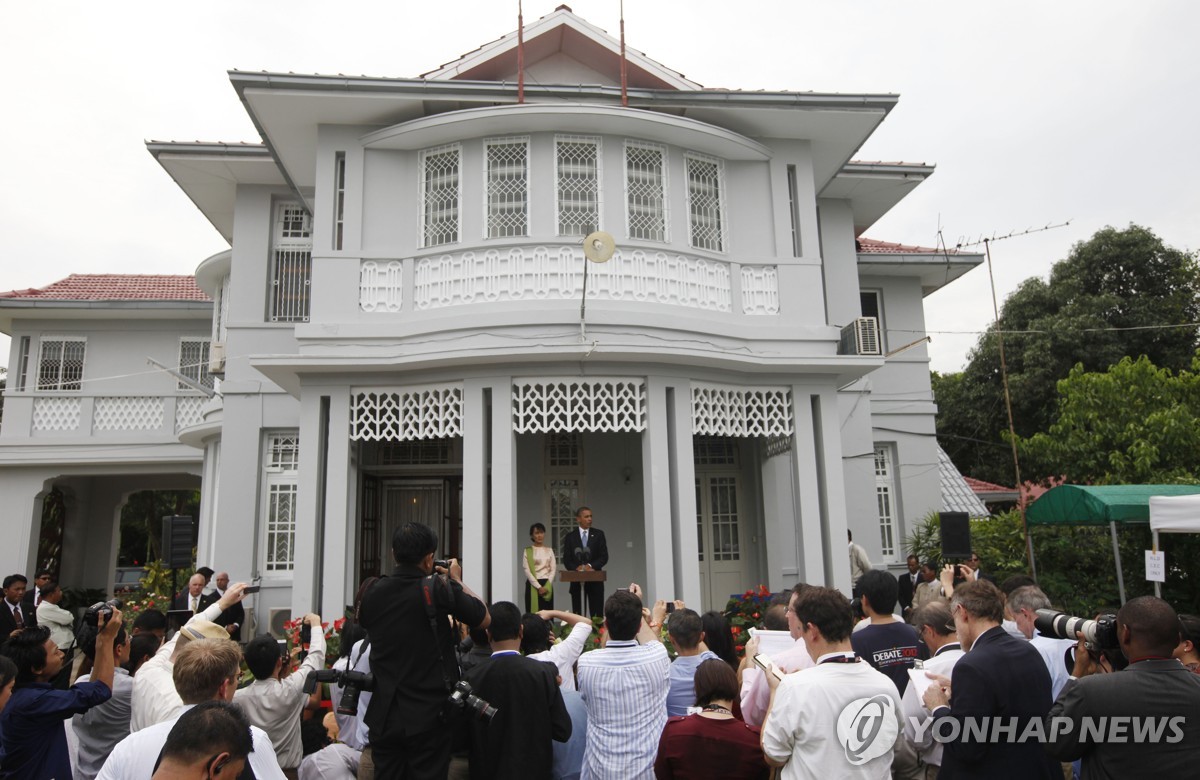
432 502
720 523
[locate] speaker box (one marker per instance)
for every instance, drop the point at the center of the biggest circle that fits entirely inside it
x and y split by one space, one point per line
177 541
956 536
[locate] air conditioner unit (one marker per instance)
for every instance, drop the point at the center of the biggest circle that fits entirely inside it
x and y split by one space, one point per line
861 337
216 358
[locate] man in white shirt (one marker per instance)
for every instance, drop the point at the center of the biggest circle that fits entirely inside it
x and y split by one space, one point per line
1021 607
935 625
535 642
274 703
211 740
860 564
816 719
154 695
624 688
756 692
58 620
204 670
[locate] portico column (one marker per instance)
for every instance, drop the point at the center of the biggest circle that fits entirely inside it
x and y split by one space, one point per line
306 546
807 495
683 493
475 455
656 477
504 494
340 528
829 445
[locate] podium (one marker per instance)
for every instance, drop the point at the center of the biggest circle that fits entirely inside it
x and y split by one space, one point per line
591 585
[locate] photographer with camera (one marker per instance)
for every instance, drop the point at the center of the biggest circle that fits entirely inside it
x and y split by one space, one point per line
274 702
1153 687
100 729
408 617
33 739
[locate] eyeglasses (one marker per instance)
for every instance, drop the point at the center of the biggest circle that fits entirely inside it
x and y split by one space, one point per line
973 558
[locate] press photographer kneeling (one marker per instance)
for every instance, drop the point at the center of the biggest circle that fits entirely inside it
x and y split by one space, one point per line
408 617
1109 719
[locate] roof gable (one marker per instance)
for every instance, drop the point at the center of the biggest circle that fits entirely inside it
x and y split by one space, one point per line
562 48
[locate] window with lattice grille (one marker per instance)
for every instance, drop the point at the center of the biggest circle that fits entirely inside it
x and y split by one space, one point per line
706 216
339 198
564 494
60 364
440 195
291 264
193 362
23 365
577 176
564 450
645 191
281 485
885 498
507 187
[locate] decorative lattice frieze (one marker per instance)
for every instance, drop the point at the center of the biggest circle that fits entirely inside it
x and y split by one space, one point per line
724 410
407 414
381 285
128 413
760 289
56 414
545 273
188 412
776 446
547 405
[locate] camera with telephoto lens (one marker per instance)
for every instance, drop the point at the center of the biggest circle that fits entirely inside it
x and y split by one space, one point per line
353 684
92 616
1100 634
464 698
442 565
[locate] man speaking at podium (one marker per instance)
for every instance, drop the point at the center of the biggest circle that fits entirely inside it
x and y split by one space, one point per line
585 549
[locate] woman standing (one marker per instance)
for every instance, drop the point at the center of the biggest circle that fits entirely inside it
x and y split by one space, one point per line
539 565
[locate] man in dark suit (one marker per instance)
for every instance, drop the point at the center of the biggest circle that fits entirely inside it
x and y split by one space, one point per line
233 617
974 563
193 599
13 613
1154 688
516 742
1000 677
33 595
908 586
585 549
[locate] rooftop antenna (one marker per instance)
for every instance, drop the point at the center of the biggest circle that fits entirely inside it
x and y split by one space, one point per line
520 53
624 63
598 247
1012 431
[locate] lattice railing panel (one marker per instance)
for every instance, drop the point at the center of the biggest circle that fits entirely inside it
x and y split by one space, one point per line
56 414
776 445
741 411
188 412
544 273
760 289
706 215
577 164
381 285
128 413
440 195
507 188
645 191
546 406
408 414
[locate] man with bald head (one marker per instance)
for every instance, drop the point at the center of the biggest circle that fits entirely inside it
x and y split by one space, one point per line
1154 688
233 617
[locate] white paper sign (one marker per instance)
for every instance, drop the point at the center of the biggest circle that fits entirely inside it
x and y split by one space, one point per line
920 681
771 643
1156 566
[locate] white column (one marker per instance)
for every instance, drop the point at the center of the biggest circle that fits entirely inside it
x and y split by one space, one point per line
830 447
683 489
21 494
474 541
341 526
656 477
807 503
304 552
504 495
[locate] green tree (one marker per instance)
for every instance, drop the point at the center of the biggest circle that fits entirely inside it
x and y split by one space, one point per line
1109 299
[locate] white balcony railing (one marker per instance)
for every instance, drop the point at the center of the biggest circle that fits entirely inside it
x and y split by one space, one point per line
105 415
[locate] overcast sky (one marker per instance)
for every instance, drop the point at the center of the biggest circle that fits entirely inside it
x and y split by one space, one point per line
1034 112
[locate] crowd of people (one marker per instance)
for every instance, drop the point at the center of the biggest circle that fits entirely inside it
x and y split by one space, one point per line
907 679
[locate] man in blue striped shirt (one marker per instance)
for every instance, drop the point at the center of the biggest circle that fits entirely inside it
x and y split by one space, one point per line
624 687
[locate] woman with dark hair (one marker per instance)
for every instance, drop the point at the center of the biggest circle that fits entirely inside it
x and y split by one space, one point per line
719 637
712 742
8 677
539 565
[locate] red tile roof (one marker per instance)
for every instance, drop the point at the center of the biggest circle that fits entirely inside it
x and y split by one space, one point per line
114 287
979 486
869 246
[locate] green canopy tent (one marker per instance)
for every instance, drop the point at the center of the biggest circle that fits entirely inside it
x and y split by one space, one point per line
1101 505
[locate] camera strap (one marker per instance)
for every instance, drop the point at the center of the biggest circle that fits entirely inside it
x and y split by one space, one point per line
429 602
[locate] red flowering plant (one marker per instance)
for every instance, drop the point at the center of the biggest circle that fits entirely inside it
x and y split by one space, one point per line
333 636
154 591
745 612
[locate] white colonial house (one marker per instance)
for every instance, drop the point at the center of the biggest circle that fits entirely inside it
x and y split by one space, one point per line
399 333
